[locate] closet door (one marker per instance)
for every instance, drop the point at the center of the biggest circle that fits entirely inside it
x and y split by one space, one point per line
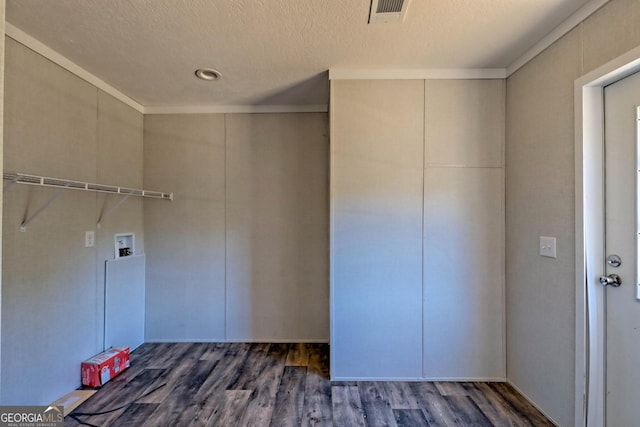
376 228
464 230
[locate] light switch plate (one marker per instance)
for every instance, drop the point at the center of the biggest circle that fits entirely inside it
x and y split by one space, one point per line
89 239
548 246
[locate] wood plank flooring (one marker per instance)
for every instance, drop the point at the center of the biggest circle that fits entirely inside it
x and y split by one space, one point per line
238 384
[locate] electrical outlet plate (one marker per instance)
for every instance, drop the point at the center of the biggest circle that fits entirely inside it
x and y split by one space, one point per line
548 246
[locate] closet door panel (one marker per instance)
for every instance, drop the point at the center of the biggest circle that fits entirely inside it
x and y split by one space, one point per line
463 279
464 122
376 222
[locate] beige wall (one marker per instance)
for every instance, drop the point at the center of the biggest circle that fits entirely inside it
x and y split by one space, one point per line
185 238
277 227
270 170
417 198
58 125
540 202
2 25
241 254
377 152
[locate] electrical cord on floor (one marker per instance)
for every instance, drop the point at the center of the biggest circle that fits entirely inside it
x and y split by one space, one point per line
75 415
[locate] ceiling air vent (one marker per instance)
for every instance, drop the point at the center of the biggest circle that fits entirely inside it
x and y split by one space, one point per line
387 11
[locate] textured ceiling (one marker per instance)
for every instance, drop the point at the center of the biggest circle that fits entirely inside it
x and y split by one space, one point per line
275 52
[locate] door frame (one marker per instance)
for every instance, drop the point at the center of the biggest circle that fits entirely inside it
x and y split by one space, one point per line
589 233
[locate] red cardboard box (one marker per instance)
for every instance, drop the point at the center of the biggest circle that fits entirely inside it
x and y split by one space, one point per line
104 366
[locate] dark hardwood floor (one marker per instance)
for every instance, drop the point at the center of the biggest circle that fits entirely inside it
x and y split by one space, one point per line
286 385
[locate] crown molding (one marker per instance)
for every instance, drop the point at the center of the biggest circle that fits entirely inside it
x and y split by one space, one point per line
416 74
55 57
334 74
236 109
567 25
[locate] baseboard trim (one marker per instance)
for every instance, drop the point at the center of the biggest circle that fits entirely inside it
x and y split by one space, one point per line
535 405
350 379
467 379
252 341
423 379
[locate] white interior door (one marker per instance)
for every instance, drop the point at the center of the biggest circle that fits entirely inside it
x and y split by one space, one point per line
622 327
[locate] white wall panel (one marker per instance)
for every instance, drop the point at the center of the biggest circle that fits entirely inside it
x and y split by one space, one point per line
610 32
242 252
277 227
402 217
464 122
52 286
540 202
120 149
49 290
185 243
463 280
124 304
376 199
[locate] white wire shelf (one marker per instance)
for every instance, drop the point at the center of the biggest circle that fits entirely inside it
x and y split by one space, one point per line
67 184
21 178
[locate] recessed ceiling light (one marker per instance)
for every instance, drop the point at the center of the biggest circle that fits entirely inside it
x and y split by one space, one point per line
208 74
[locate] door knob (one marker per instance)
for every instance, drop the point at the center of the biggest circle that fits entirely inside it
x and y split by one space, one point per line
611 280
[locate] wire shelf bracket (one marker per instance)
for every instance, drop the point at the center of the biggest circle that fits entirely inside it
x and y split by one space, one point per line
66 184
104 215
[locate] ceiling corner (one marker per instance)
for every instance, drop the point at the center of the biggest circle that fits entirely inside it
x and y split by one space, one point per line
40 48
